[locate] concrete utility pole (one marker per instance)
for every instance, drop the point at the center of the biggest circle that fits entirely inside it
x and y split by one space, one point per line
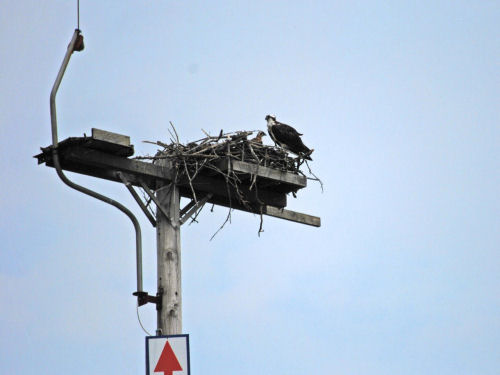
168 236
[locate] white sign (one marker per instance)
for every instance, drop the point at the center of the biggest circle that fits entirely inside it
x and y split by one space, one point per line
167 355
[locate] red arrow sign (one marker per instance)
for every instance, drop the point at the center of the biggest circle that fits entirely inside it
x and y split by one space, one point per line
168 362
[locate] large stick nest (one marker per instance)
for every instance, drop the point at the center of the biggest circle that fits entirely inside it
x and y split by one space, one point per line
204 156
236 145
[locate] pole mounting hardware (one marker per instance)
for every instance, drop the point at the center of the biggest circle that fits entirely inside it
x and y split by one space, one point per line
144 298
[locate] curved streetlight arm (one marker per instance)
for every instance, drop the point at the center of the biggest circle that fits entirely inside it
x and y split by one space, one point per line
76 44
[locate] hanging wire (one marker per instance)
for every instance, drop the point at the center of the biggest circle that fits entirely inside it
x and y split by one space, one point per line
139 319
78 14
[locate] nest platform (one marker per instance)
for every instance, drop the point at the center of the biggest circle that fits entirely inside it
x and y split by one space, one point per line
228 170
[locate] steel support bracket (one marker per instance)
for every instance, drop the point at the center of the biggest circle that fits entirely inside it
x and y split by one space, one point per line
144 298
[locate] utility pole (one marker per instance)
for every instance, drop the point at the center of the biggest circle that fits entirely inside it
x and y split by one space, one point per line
168 237
106 155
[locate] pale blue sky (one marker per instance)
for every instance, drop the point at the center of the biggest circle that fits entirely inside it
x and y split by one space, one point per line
398 98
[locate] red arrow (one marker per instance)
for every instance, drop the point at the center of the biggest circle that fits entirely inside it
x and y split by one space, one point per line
168 362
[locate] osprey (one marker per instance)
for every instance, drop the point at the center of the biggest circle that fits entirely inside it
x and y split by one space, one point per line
258 138
287 137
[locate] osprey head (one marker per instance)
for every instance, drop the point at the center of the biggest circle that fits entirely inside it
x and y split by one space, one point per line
270 117
258 138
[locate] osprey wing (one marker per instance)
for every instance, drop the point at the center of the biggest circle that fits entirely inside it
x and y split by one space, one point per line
285 133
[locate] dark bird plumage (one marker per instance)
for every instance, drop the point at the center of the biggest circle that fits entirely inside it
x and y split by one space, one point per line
287 137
